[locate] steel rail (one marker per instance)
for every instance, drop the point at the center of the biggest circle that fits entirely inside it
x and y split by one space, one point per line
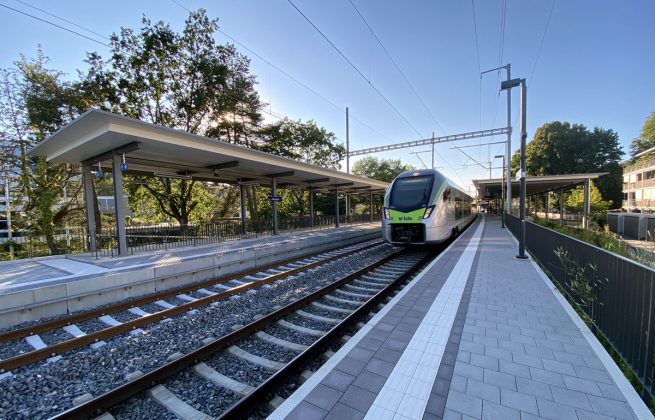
87 315
123 392
248 404
72 344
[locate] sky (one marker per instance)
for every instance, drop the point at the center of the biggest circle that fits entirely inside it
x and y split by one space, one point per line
585 62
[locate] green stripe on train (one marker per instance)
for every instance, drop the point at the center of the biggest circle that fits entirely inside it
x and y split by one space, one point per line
415 216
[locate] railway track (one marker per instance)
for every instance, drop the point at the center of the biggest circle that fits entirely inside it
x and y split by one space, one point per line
27 345
238 371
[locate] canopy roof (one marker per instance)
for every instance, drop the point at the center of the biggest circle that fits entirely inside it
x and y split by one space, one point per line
96 136
491 188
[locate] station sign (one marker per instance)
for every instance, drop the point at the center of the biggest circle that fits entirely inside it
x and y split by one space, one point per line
273 198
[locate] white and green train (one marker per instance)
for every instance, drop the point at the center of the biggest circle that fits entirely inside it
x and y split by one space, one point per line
424 207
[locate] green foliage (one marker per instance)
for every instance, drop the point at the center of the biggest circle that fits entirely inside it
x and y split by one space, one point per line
575 200
302 141
380 169
646 138
561 148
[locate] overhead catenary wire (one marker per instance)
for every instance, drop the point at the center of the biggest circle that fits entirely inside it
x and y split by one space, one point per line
477 50
355 68
397 67
55 25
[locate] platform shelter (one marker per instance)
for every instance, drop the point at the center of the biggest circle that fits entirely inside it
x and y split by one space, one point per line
103 141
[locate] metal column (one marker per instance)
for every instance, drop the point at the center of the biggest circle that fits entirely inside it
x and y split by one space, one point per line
524 135
547 199
89 207
371 207
119 204
586 207
274 205
242 192
311 207
336 206
508 198
561 206
347 208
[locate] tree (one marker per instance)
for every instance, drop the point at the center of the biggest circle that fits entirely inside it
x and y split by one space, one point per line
381 169
34 103
561 148
575 201
646 138
179 80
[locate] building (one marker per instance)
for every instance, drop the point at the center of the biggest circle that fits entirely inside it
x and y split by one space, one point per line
639 183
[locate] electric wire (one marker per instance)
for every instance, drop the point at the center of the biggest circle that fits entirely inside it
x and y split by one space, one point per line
541 44
54 24
63 20
477 50
355 68
397 67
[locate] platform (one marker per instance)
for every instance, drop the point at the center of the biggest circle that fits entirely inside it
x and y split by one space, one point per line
48 286
478 334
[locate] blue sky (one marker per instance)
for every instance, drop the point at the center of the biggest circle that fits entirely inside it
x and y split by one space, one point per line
596 66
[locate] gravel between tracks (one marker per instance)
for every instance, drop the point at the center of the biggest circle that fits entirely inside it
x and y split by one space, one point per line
39 391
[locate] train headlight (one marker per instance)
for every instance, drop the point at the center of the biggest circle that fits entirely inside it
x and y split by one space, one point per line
428 212
386 213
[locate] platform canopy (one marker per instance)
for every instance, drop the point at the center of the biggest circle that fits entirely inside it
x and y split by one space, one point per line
491 188
96 137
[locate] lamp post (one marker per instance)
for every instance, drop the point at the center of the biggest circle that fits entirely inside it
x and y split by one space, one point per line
502 193
506 85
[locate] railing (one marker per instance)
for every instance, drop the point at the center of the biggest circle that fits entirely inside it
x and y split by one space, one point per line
615 293
641 204
638 166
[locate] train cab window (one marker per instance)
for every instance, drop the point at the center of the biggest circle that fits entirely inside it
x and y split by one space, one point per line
411 193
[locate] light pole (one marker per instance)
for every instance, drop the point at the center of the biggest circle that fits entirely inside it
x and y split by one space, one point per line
506 85
502 193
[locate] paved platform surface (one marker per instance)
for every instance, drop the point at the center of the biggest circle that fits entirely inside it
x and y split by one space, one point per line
478 334
32 273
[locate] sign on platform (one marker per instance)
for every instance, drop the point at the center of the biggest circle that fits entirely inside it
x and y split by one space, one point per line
276 199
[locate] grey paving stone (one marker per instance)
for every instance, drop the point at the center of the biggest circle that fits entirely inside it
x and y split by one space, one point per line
498 353
559 367
429 416
524 359
515 369
611 391
436 405
370 343
503 380
573 359
486 362
458 383
493 411
306 411
388 355
582 385
351 366
534 388
380 367
541 352
552 378
464 356
464 404
338 380
553 410
360 353
592 374
570 397
343 412
519 401
468 371
451 415
323 397
472 347
523 339
394 344
610 407
485 340
358 398
513 346
370 381
587 415
441 387
483 390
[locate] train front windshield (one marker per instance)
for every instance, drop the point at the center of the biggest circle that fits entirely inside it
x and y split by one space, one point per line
411 193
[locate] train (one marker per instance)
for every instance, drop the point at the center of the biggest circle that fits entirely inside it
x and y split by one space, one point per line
424 207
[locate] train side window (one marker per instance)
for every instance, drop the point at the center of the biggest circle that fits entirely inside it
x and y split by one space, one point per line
446 194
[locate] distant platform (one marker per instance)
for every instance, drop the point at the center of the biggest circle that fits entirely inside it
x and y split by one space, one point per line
48 286
477 334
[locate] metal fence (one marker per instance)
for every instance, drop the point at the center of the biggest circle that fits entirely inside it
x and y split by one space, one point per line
166 236
617 294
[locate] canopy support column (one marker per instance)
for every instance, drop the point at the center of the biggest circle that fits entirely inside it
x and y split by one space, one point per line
347 208
119 204
586 207
242 191
336 206
371 206
561 206
274 205
89 208
547 205
311 207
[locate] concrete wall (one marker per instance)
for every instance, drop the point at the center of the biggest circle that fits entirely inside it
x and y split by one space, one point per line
85 292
